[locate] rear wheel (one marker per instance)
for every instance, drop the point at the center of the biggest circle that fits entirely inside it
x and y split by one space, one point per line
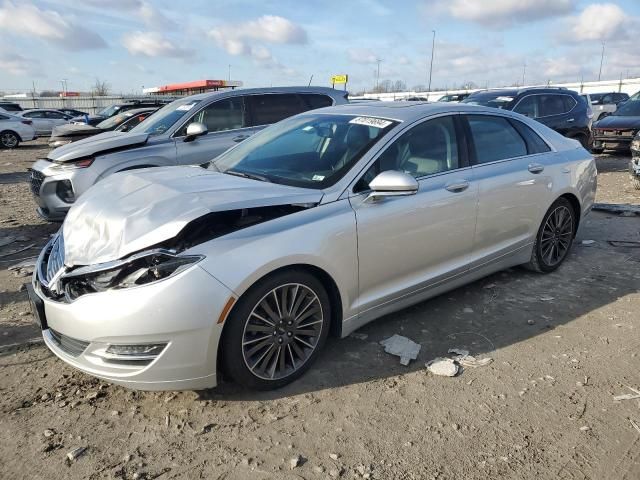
276 330
9 139
554 238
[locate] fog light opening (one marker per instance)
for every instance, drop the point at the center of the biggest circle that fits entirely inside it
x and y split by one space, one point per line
136 352
64 190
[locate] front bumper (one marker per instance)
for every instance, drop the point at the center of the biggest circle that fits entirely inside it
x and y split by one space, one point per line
180 311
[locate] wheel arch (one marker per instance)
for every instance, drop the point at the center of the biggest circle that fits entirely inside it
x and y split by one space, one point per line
8 130
575 204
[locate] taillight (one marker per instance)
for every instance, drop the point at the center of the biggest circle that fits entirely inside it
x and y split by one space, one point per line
26 122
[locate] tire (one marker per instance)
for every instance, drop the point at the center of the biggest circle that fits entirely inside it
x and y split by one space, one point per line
545 246
9 139
260 348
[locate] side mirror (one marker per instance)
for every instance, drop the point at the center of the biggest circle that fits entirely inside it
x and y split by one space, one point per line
195 130
392 183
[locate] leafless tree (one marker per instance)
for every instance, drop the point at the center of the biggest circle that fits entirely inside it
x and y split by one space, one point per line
100 88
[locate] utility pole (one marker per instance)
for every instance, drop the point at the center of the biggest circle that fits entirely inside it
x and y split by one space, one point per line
378 60
433 47
601 61
229 72
524 72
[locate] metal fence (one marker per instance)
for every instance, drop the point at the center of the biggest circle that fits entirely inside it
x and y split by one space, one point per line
85 104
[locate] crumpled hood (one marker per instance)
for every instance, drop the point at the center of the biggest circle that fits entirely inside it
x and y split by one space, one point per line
96 144
618 121
73 130
131 211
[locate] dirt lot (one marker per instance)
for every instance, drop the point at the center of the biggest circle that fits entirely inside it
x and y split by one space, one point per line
563 345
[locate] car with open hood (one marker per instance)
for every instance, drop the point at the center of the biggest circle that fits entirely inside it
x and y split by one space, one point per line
161 278
617 131
188 131
122 122
116 108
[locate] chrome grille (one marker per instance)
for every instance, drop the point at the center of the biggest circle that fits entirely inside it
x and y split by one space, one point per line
55 258
36 179
70 346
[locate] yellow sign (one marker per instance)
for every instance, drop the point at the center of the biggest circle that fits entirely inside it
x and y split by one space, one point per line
339 79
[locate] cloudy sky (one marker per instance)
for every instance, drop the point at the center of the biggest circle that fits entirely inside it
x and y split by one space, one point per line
135 43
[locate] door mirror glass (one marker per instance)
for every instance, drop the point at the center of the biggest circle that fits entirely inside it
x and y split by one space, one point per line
392 183
195 130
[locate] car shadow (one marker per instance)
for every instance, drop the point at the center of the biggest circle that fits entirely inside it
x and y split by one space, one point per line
484 317
614 162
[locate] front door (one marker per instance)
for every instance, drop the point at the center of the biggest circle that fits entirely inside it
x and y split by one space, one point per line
406 244
227 125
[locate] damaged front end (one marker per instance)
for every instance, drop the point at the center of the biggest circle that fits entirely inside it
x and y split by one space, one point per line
159 262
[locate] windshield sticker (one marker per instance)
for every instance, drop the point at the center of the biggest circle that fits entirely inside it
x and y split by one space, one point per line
504 99
185 108
371 122
317 178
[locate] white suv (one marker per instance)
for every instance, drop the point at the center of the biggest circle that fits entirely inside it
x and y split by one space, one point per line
14 129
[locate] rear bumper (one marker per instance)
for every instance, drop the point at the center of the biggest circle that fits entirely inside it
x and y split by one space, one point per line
611 143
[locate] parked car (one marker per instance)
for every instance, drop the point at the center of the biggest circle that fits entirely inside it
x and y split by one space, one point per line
72 112
122 122
14 130
10 107
565 111
634 164
114 109
604 104
44 120
455 97
615 132
415 99
190 130
161 278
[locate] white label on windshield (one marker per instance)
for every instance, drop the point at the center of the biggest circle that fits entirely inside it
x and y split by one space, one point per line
371 122
185 108
317 178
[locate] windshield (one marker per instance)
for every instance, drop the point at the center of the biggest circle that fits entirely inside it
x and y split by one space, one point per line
109 111
631 108
113 122
491 99
163 119
310 151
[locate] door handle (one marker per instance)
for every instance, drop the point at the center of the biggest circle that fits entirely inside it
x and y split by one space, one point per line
240 138
458 186
536 168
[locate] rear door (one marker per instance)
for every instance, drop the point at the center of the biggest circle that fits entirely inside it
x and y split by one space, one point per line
511 165
56 118
41 124
226 121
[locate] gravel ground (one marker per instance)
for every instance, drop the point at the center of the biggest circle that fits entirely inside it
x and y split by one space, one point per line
562 346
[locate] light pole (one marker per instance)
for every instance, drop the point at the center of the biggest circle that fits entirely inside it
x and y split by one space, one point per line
524 72
229 72
378 60
601 61
433 46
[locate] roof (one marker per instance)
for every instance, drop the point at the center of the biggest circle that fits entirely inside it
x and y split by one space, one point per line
405 111
332 92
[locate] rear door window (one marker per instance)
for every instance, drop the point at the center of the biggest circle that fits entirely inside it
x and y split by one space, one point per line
314 100
271 108
550 105
535 144
55 115
494 138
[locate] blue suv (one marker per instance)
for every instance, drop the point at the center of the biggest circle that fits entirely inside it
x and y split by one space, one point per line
565 111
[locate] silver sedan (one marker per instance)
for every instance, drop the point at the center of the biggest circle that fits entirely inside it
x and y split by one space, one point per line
161 278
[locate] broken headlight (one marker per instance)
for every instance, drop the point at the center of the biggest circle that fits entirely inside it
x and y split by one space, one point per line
140 269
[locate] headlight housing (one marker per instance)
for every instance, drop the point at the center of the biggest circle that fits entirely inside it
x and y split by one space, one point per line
139 269
83 162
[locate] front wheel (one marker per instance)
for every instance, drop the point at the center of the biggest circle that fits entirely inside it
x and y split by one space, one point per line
9 140
276 330
554 238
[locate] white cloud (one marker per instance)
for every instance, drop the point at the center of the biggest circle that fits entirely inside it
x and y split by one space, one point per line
18 65
153 44
502 13
362 55
243 38
28 20
600 21
150 15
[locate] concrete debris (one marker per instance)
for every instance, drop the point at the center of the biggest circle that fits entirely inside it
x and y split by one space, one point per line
585 429
619 208
334 456
628 396
359 336
296 461
402 347
445 367
49 433
75 453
